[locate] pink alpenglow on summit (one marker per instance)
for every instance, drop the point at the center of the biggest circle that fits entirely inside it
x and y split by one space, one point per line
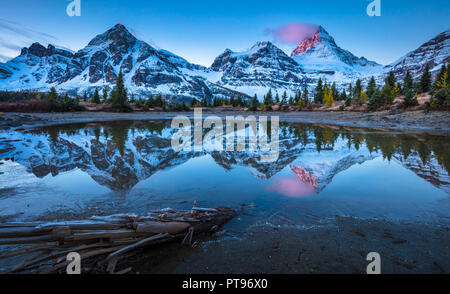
306 44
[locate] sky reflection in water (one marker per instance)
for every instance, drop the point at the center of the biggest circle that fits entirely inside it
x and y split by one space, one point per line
79 170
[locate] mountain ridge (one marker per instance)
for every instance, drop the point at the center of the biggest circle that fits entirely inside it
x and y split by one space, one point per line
150 71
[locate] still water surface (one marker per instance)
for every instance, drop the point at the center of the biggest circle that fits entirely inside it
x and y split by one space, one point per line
76 171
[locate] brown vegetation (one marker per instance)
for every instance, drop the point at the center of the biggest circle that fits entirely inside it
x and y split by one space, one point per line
32 105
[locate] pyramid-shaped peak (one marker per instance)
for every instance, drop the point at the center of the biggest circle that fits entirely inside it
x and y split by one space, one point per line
324 35
118 33
320 36
119 26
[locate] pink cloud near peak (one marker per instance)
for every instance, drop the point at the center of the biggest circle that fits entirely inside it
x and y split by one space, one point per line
293 32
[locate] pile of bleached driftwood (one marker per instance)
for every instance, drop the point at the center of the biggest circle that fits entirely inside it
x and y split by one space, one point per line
43 247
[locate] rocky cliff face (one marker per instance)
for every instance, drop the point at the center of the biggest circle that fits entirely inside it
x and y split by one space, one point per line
39 67
433 53
262 67
146 70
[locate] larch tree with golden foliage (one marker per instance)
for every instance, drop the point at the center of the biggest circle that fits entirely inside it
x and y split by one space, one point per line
328 96
363 97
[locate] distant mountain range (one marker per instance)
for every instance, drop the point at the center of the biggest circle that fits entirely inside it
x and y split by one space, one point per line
148 70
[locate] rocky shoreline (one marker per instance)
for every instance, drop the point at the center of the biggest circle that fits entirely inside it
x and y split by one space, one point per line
433 122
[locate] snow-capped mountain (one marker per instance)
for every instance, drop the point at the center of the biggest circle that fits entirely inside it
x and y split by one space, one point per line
38 67
320 56
435 53
262 67
146 70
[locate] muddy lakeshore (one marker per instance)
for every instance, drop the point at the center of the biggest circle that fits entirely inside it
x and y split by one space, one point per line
342 248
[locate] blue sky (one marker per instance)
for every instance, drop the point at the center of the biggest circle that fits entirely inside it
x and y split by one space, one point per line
201 30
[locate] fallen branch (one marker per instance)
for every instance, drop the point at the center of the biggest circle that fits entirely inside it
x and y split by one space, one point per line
44 246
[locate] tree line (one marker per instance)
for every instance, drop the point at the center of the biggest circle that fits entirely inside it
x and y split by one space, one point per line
373 95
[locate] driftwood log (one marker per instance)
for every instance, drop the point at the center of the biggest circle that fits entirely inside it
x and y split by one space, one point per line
43 247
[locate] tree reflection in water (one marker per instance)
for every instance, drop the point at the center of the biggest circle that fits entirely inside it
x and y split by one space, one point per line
120 154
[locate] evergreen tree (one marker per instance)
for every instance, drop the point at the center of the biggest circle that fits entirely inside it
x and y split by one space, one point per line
391 80
232 100
268 100
305 94
371 87
204 102
105 93
343 96
284 98
374 101
297 96
335 92
85 98
193 101
239 101
159 101
119 95
410 98
350 92
52 97
357 90
386 95
318 96
254 105
277 98
408 83
398 89
441 99
96 97
448 74
151 102
425 80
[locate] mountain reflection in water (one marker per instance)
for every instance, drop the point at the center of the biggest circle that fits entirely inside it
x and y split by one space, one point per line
129 166
119 155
